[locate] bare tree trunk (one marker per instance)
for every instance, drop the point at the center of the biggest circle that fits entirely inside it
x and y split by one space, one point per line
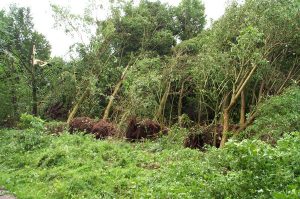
34 96
112 97
33 82
243 109
162 104
234 97
286 79
179 113
261 90
247 123
77 105
199 110
215 133
225 127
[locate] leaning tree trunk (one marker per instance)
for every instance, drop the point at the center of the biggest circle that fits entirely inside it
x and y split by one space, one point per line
249 121
112 97
179 112
234 97
77 105
162 104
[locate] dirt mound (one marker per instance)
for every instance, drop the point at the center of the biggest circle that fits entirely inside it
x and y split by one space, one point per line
206 137
103 129
143 129
82 124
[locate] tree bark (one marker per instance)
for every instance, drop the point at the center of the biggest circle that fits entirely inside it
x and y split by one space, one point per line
247 123
34 96
179 113
243 109
233 101
163 101
215 134
261 90
112 97
77 105
286 79
225 127
33 83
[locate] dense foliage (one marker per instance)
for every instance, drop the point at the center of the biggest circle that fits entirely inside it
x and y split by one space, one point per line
20 80
153 60
276 116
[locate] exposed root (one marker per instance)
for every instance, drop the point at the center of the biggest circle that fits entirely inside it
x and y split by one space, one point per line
82 124
137 130
198 140
103 129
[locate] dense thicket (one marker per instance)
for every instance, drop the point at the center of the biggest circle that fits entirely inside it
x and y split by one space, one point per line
20 79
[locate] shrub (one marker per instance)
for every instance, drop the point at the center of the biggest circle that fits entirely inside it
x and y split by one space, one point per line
55 127
253 168
28 121
276 116
174 138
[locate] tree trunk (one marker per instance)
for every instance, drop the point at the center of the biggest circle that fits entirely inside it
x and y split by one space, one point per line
225 127
33 83
261 90
243 109
247 123
77 105
215 133
286 79
233 101
179 113
112 97
34 96
162 104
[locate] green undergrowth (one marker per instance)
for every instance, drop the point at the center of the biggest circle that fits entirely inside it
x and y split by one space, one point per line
275 116
37 165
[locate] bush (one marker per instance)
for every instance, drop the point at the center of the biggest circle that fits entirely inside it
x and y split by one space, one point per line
28 121
55 127
174 139
276 116
254 168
